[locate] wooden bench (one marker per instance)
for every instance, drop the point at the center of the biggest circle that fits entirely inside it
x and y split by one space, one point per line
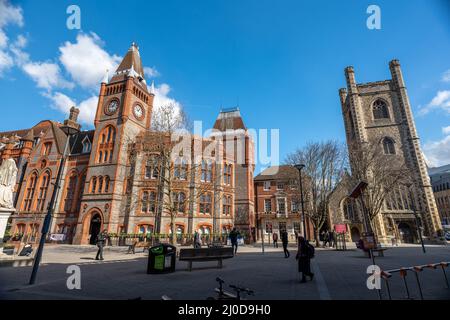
379 250
206 254
142 244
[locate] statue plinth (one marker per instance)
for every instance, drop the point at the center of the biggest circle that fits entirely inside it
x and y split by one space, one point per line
4 216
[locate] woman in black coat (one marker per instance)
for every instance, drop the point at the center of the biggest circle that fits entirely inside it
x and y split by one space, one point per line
304 259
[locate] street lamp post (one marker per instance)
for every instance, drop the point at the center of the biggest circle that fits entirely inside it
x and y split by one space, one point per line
299 168
48 217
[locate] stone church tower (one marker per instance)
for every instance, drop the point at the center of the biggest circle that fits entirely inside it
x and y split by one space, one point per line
380 111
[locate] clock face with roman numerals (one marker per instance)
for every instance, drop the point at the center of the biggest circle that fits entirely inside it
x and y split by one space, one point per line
112 106
138 111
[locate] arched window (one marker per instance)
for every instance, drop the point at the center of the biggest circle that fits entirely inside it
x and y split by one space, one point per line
107 181
205 203
148 202
388 146
206 168
106 146
380 110
151 168
70 192
81 190
93 184
226 205
227 174
349 209
179 199
100 184
29 193
43 188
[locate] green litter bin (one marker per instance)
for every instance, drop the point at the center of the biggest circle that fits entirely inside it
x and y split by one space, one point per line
161 259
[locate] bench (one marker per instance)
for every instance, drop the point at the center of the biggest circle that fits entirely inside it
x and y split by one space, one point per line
142 244
205 254
378 250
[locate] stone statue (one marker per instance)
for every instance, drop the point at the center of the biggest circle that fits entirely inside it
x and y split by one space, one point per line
8 176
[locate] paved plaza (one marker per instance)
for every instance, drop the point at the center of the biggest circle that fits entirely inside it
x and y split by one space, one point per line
338 275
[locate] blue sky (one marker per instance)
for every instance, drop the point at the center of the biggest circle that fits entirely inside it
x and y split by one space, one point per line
282 62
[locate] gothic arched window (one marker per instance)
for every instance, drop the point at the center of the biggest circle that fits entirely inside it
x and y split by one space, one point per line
106 146
388 146
380 110
29 193
43 188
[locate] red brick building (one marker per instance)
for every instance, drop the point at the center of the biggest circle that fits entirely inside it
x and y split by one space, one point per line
110 180
277 203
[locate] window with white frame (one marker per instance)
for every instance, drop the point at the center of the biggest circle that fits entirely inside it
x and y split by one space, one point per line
266 185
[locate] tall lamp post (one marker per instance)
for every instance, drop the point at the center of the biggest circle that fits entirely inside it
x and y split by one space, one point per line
416 217
69 131
299 167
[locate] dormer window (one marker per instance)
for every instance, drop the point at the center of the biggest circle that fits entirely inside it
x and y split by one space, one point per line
86 145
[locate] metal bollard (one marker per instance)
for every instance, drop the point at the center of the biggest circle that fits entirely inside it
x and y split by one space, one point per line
386 275
403 273
418 269
443 266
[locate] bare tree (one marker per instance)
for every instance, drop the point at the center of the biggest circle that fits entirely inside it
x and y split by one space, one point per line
324 163
383 174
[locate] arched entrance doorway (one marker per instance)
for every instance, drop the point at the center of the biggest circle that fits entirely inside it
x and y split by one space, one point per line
406 234
354 232
94 228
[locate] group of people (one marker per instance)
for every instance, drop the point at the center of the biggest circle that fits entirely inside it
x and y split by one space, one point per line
233 235
305 250
328 239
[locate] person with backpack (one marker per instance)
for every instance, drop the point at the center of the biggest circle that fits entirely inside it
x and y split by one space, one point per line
304 255
101 241
284 241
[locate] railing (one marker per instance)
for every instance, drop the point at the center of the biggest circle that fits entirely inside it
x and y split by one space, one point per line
185 240
416 270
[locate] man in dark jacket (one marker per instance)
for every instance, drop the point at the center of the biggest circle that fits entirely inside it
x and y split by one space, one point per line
284 240
234 239
304 256
101 241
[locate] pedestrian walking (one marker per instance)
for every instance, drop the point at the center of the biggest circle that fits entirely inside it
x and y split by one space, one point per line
197 242
234 239
101 241
304 254
296 236
326 238
275 239
331 238
284 241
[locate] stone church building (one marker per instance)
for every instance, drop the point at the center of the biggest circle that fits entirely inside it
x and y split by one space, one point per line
110 179
380 112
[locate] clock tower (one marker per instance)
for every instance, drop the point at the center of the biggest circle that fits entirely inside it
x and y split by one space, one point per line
124 110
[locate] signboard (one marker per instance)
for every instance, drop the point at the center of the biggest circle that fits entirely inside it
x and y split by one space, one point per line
268 227
57 236
369 240
340 228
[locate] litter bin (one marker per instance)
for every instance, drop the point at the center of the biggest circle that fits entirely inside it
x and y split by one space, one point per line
161 259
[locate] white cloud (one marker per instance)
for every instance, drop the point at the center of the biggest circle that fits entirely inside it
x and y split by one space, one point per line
9 14
446 76
86 61
446 130
440 101
47 75
151 72
162 97
438 152
87 107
